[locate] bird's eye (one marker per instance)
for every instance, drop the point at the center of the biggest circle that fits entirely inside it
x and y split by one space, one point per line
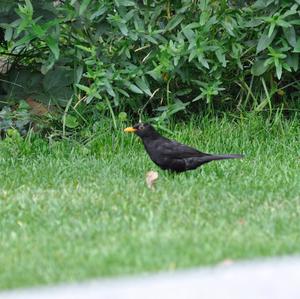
141 127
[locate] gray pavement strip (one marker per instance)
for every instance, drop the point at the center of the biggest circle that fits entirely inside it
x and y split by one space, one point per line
277 278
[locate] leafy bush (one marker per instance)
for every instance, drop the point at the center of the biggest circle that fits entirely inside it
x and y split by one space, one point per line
92 58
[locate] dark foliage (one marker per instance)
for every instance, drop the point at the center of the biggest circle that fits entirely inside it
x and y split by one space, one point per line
90 58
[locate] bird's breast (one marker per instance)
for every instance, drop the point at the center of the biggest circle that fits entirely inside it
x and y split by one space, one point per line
156 153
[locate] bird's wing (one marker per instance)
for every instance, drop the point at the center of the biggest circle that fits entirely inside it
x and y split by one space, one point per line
174 149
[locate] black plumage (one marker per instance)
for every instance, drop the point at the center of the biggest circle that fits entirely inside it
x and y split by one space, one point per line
172 155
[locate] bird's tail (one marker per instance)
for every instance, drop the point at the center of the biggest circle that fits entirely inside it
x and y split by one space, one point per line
209 158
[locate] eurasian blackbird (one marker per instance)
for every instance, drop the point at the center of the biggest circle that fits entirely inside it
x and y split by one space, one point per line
171 155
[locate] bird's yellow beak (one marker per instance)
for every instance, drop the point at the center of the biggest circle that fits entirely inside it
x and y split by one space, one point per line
130 130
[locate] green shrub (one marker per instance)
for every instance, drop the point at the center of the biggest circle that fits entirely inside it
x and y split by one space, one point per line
92 58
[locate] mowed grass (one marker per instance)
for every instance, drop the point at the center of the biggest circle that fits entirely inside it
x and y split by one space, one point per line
70 212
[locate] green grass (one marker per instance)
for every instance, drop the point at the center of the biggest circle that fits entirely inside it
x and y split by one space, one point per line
69 212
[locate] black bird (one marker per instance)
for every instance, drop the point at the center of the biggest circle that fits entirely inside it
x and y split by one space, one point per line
172 155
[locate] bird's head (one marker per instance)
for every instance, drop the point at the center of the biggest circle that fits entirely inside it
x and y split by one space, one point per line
142 130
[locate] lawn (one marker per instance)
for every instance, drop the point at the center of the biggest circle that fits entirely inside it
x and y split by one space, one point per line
72 211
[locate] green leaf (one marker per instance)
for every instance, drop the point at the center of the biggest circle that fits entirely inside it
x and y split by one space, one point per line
86 49
23 105
38 30
123 28
286 67
123 92
221 57
78 73
297 47
174 22
133 88
278 70
143 85
203 61
109 89
156 73
98 12
125 3
253 23
259 4
290 35
259 68
204 17
29 6
122 116
48 64
295 22
265 40
283 24
189 34
229 25
23 25
192 55
293 61
24 40
83 88
271 29
151 39
71 121
183 92
83 6
53 45
8 34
